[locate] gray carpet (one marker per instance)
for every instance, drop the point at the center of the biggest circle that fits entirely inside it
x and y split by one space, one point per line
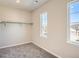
24 51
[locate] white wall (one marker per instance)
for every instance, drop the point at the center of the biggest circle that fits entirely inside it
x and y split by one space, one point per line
14 34
11 14
57 40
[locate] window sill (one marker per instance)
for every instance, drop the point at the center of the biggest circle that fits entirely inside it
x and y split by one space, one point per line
45 37
73 43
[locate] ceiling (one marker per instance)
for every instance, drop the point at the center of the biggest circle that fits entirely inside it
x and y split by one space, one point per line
24 4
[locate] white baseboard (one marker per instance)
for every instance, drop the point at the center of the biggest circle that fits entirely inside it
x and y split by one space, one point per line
14 45
33 43
47 50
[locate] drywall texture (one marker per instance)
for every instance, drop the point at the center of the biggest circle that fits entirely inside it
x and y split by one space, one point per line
57 40
11 14
14 34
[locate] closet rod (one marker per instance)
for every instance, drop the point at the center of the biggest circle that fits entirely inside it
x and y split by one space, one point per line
15 22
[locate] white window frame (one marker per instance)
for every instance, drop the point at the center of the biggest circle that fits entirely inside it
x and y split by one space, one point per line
68 25
42 18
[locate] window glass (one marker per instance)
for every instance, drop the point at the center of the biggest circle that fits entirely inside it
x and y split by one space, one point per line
74 21
43 24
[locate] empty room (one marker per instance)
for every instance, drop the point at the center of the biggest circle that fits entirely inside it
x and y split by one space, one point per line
39 28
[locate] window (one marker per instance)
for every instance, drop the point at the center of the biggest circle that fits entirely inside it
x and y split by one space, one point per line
73 22
43 24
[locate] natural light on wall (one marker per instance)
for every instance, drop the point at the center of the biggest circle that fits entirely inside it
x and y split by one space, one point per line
43 24
17 1
73 22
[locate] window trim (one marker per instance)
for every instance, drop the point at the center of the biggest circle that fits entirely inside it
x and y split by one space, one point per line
41 23
68 25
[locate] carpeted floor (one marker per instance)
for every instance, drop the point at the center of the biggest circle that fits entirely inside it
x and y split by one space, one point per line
24 51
